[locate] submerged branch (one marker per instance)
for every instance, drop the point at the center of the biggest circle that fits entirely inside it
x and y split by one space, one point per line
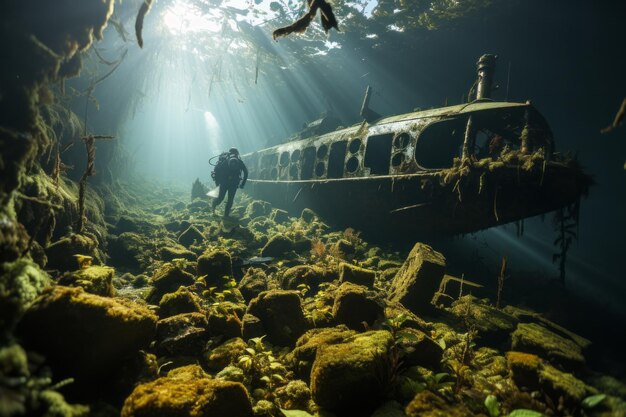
327 18
143 11
619 117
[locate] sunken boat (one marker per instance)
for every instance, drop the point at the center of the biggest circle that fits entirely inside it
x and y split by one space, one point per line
444 171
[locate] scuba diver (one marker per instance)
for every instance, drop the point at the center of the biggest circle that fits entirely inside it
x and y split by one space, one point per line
227 175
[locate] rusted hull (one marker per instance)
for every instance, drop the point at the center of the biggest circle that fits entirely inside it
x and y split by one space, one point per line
427 203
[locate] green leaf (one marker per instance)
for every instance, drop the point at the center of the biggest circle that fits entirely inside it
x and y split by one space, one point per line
593 401
295 413
440 376
492 405
522 412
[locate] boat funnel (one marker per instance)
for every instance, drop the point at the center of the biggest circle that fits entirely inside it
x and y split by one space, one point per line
486 68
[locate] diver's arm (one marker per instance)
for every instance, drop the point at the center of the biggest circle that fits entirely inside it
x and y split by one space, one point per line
245 174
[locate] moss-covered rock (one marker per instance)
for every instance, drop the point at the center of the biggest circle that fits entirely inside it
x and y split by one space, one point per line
281 314
169 253
181 301
126 250
279 216
190 236
256 209
182 334
61 253
427 404
278 245
354 305
83 335
356 275
253 283
214 264
534 338
220 357
418 279
225 321
93 279
20 283
188 394
166 279
251 327
494 326
344 247
296 395
310 275
421 349
347 376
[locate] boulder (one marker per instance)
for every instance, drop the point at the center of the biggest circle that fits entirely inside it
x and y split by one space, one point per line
225 323
182 334
296 395
427 404
188 393
190 236
281 314
311 275
418 279
60 253
278 245
220 357
494 326
215 264
251 327
344 247
169 253
85 336
93 279
346 377
126 250
421 350
166 279
253 283
534 338
179 302
354 304
356 275
256 209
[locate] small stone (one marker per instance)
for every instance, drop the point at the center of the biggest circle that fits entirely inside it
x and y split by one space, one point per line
427 404
356 275
215 264
255 209
182 334
253 283
231 373
277 246
251 327
169 253
190 236
354 305
168 278
181 301
281 314
296 395
60 253
93 279
225 354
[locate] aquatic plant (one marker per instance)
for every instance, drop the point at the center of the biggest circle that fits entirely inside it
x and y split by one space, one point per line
261 368
566 223
501 279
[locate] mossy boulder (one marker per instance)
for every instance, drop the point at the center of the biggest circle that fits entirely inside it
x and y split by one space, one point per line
85 336
126 250
421 349
179 302
418 279
281 314
169 253
93 279
215 264
494 326
251 327
253 283
256 209
311 275
190 236
188 393
427 404
534 338
296 395
344 247
61 253
226 321
346 377
223 355
166 279
355 305
182 334
277 246
356 275
21 282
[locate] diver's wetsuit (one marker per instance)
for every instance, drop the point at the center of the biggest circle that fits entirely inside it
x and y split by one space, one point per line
230 182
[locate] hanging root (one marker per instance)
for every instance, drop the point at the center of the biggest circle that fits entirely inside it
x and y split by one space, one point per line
327 17
143 11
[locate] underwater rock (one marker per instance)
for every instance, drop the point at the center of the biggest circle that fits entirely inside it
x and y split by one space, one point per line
427 404
344 247
281 314
168 278
60 253
534 338
356 275
169 253
198 190
251 327
305 351
421 350
231 373
179 302
21 282
126 224
452 288
188 393
347 376
279 216
410 319
126 250
532 373
277 246
215 264
182 334
225 322
308 215
253 283
85 336
311 275
494 326
93 279
418 279
354 305
220 357
190 236
198 205
257 209
296 395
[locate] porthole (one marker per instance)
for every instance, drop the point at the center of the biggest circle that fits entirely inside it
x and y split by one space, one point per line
322 151
274 174
293 171
397 159
284 159
355 145
402 141
352 165
319 169
295 156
